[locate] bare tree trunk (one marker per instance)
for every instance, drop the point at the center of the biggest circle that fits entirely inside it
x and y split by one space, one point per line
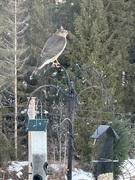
13 45
15 82
0 122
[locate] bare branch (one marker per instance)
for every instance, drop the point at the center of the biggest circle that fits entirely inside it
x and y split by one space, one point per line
11 44
23 30
24 21
19 69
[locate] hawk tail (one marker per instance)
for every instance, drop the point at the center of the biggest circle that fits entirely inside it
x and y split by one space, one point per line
33 74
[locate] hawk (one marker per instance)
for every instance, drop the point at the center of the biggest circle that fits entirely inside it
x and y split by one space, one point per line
53 48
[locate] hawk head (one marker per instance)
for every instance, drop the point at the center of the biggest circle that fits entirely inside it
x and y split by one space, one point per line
62 32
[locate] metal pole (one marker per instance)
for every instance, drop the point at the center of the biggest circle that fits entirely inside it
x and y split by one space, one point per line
71 129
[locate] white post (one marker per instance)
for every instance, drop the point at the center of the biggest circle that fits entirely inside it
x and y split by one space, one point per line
31 114
37 145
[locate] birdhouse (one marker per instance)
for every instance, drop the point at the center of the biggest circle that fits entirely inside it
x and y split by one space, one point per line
105 137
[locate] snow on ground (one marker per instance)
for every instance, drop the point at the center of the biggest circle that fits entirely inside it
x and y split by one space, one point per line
57 167
17 166
76 174
128 170
80 174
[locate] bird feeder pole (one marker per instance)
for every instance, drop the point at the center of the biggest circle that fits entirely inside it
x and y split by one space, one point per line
71 130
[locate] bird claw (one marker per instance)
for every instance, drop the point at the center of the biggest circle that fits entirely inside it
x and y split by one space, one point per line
56 64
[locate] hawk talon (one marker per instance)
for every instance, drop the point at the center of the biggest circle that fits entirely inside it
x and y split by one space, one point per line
56 64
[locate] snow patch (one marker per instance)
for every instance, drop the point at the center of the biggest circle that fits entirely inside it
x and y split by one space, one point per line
128 170
79 174
19 174
17 166
57 167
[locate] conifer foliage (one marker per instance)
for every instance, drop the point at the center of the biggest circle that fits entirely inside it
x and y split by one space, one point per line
13 49
101 35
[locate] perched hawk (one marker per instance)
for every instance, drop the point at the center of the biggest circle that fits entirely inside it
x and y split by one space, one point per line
53 48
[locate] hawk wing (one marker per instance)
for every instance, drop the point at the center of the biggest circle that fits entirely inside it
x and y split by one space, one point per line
53 47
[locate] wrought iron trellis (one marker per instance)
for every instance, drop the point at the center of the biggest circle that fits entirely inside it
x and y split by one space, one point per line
58 87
